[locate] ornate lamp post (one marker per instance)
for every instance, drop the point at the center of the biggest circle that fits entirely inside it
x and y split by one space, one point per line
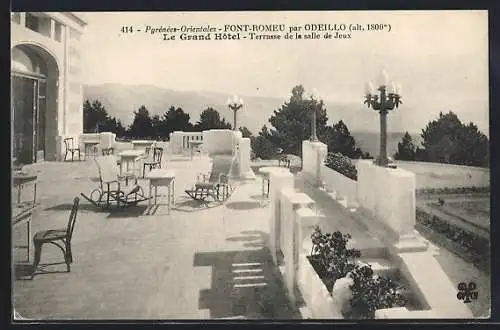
314 100
235 103
389 96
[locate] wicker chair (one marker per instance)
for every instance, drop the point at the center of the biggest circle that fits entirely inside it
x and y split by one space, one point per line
58 237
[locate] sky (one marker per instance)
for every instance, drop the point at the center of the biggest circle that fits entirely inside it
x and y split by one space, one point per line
440 58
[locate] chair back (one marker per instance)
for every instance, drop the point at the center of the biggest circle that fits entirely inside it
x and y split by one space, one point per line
107 140
72 219
157 154
68 143
221 165
108 169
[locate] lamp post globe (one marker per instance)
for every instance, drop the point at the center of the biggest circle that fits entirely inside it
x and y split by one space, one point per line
383 99
234 103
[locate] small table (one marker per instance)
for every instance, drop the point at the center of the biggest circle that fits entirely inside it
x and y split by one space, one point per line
157 178
142 144
194 144
22 214
266 171
128 156
90 147
20 179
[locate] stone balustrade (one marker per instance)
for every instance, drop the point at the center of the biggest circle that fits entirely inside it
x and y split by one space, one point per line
216 142
105 140
179 141
344 189
386 197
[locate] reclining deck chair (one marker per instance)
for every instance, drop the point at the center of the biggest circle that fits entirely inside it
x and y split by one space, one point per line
216 185
109 177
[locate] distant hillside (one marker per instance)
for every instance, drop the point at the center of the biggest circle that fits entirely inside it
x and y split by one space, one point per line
369 141
122 100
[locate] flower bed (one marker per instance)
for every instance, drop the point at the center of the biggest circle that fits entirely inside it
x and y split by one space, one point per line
342 164
446 190
335 264
471 247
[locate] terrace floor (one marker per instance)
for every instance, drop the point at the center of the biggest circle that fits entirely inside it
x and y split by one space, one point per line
194 263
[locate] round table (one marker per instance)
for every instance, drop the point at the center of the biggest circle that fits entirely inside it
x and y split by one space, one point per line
19 179
266 171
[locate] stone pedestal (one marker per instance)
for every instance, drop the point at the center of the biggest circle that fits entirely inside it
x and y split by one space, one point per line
313 157
218 141
289 243
246 172
278 181
175 142
389 194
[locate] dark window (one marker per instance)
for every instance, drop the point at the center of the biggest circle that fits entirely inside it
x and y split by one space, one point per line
58 31
32 22
16 17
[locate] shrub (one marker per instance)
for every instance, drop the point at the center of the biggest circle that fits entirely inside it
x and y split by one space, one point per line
371 292
478 247
447 190
333 260
342 164
263 147
330 251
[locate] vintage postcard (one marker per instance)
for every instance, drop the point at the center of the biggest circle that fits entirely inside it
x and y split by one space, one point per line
275 165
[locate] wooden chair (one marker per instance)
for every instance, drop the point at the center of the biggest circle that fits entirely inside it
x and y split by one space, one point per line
108 151
154 161
58 237
216 185
70 148
285 160
111 189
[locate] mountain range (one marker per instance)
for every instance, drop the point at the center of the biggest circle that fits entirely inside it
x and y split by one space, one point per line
121 100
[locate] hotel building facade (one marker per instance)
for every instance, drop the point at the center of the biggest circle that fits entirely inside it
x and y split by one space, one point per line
46 87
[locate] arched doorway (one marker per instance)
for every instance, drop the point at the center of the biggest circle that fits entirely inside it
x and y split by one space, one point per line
34 95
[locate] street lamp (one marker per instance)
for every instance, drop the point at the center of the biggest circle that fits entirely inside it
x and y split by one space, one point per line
314 100
234 103
389 96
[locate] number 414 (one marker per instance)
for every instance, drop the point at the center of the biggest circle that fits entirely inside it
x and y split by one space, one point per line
127 29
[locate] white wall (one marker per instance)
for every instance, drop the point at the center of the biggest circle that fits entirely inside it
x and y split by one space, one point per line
179 141
218 141
344 188
313 155
389 194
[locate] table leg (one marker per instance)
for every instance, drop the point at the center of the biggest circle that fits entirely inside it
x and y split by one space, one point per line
34 194
173 191
150 194
268 185
263 192
168 197
156 194
29 239
19 188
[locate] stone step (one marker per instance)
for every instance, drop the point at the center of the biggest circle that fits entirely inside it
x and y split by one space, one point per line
381 266
369 247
